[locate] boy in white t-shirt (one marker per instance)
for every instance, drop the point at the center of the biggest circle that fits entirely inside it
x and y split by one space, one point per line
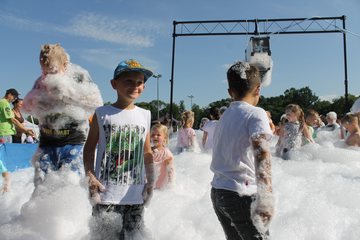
242 187
123 179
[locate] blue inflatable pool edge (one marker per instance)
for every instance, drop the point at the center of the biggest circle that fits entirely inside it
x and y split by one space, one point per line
17 156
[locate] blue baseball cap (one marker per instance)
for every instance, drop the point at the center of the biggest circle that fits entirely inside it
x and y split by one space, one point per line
132 65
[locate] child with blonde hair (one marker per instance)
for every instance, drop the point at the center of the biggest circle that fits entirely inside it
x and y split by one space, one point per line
351 124
186 139
62 98
293 131
163 158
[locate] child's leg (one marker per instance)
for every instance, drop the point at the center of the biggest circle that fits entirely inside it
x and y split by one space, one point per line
6 183
43 163
133 221
233 212
107 222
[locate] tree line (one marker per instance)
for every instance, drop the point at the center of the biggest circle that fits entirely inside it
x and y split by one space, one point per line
304 97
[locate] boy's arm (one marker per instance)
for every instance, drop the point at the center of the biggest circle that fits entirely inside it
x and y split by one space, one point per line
204 138
264 207
150 171
90 146
149 162
262 161
88 158
307 134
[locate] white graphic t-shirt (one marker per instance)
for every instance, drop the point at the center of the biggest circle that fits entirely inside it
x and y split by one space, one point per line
120 157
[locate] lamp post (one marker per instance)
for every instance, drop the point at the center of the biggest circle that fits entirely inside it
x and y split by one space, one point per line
157 93
191 97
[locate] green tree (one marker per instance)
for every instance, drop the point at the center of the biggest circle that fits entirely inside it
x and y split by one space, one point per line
275 105
182 107
304 97
323 107
198 114
223 102
144 105
338 105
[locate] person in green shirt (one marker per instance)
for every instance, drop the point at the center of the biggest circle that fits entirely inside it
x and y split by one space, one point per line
7 118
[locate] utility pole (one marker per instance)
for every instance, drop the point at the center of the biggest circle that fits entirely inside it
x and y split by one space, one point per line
191 97
157 93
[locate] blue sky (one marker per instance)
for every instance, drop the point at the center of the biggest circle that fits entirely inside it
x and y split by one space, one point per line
99 33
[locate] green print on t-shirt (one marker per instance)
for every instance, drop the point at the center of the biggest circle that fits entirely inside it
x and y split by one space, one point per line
124 154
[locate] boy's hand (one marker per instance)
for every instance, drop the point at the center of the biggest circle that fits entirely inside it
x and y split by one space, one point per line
262 213
147 194
150 177
266 215
95 187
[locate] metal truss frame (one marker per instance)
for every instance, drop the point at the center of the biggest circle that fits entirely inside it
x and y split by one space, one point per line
255 27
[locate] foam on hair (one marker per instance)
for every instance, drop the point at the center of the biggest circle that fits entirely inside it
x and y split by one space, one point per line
53 58
243 77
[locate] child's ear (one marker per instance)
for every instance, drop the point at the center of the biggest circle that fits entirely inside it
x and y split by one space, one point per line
257 90
113 83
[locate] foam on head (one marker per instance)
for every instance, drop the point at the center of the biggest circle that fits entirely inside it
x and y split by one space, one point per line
53 58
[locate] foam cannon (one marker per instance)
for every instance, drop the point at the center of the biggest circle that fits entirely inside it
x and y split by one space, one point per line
258 53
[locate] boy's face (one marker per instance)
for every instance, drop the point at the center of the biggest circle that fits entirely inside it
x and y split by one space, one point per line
129 85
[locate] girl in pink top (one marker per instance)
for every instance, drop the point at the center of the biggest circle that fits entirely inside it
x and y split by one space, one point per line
163 158
186 139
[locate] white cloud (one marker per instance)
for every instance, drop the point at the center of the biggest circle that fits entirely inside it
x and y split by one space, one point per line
119 31
94 26
22 23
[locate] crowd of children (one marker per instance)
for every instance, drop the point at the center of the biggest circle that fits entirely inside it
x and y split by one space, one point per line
296 129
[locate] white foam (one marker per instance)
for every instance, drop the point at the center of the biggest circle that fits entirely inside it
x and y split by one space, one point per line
72 94
316 198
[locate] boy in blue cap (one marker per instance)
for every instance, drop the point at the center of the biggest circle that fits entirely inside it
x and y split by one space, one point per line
123 179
